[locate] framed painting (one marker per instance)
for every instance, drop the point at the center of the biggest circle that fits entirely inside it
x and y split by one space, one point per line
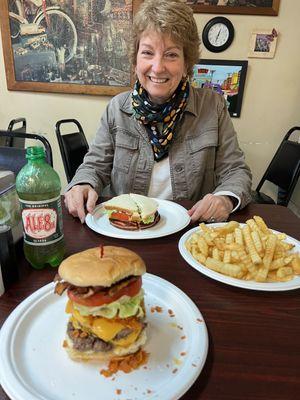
263 43
254 7
227 77
79 46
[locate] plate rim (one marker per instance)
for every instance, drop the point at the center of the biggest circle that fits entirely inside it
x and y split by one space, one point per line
132 235
18 391
227 280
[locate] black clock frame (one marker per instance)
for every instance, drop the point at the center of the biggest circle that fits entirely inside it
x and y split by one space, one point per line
206 29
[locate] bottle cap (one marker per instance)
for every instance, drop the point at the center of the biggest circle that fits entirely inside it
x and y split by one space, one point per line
35 152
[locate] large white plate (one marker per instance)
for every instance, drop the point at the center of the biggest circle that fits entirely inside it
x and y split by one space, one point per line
268 286
173 218
34 365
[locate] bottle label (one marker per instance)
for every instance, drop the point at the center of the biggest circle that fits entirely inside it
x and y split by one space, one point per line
42 221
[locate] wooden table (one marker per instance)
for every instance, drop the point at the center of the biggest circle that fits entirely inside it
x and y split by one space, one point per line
254 337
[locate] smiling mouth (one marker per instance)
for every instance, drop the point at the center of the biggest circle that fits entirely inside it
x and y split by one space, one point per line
158 80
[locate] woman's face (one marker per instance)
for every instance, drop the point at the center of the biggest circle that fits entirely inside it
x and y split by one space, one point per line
160 65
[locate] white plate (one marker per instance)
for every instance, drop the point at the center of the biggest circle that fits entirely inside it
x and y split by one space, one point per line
173 218
34 365
268 286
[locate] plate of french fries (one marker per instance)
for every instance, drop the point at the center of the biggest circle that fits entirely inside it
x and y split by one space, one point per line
250 255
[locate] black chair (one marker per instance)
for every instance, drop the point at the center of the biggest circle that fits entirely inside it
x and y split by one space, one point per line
283 171
73 146
16 125
13 158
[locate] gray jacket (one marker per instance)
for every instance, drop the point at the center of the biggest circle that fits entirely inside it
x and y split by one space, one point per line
204 155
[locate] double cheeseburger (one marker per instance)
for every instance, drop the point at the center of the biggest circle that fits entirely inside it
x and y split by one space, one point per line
132 212
105 303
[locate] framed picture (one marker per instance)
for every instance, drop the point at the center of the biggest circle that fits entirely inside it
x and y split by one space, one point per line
254 7
263 43
226 77
64 46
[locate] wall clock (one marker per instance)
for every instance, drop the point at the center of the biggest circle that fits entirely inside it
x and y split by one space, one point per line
218 34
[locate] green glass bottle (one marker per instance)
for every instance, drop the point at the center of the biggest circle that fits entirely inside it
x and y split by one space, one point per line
38 187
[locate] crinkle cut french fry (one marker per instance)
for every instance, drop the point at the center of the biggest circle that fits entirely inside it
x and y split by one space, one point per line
285 273
233 270
203 247
238 236
252 225
280 262
250 246
296 263
262 273
257 242
215 253
227 256
261 224
269 251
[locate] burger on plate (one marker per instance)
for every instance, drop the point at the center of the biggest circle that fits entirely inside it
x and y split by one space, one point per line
132 212
105 303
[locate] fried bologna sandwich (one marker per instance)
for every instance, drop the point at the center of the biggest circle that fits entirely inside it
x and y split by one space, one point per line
132 211
106 303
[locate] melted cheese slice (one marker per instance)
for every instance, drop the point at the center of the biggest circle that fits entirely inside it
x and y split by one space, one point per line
106 329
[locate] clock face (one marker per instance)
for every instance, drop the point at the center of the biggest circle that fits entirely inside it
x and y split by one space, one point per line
218 34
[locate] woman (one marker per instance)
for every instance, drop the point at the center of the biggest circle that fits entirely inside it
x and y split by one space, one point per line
165 138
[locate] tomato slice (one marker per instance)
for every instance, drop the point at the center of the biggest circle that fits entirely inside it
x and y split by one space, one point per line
120 216
100 298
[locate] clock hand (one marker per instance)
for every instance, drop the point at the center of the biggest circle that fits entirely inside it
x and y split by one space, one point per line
218 34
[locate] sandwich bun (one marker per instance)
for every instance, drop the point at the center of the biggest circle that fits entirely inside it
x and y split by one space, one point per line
132 211
91 268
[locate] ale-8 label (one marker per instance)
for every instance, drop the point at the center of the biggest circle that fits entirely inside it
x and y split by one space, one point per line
42 221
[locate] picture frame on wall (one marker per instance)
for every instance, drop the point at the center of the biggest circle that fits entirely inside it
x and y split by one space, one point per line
263 43
67 46
251 7
226 77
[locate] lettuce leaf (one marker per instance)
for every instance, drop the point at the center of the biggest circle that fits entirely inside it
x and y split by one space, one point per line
125 307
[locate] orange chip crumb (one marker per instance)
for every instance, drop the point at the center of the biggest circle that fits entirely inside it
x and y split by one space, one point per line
183 353
171 313
126 364
199 320
118 391
157 309
183 337
65 343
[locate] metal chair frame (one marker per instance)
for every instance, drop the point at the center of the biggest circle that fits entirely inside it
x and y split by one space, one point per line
283 170
73 146
13 158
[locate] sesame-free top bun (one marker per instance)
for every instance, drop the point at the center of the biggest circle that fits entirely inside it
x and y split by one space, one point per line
88 268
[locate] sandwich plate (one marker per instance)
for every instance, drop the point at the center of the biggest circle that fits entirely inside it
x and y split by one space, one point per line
173 218
34 365
264 286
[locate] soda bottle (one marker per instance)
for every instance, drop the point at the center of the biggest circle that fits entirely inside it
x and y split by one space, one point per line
38 187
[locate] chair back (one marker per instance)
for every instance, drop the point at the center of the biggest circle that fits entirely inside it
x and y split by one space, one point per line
14 158
284 169
73 146
16 125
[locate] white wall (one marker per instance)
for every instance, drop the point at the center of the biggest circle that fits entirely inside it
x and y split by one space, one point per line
271 103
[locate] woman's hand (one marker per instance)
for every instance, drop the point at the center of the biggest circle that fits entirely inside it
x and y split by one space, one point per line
212 208
80 197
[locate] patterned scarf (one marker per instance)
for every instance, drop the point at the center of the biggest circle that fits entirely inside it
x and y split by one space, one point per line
167 114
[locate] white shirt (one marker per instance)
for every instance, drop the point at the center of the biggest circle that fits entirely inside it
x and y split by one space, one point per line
161 188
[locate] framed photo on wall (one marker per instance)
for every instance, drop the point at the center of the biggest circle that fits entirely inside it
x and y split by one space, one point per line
263 43
227 77
67 46
254 7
